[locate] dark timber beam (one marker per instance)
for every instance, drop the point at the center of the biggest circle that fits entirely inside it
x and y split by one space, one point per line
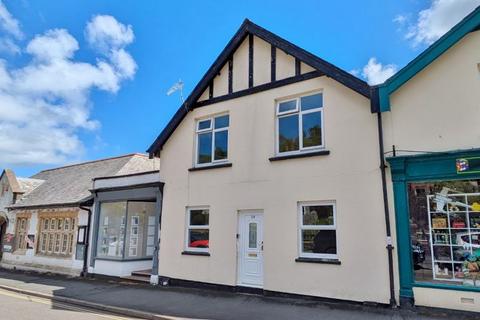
250 60
230 75
210 90
298 67
260 88
273 63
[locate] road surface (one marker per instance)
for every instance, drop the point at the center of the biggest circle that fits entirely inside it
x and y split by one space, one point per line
23 307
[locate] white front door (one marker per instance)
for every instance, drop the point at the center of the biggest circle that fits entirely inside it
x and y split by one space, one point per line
250 249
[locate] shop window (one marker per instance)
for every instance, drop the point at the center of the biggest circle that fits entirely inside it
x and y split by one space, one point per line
21 233
445 232
198 230
317 231
212 140
300 124
55 234
126 230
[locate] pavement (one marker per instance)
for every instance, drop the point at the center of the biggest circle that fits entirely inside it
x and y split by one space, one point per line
148 302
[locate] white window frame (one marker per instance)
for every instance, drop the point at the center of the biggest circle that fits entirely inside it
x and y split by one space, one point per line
302 227
188 227
298 111
213 131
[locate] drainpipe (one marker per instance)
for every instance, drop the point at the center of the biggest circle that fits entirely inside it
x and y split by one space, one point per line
390 247
87 240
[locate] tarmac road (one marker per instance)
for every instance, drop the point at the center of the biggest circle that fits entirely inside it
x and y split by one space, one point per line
23 307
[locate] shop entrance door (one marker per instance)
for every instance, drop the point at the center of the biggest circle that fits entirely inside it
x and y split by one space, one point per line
250 249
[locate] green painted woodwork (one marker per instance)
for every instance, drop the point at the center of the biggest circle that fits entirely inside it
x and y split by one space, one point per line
415 168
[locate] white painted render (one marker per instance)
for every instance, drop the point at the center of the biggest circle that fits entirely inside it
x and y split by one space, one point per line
438 110
350 176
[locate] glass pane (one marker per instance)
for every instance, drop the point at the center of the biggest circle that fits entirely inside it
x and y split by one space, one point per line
287 106
318 215
110 234
312 129
288 139
252 235
198 238
319 241
140 238
444 239
199 217
204 124
221 145
311 102
222 122
204 148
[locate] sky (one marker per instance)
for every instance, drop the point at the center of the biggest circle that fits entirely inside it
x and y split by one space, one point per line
84 80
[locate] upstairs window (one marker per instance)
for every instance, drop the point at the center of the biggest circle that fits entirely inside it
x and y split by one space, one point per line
300 124
212 140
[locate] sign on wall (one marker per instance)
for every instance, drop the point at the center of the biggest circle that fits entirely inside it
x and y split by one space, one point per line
30 239
8 242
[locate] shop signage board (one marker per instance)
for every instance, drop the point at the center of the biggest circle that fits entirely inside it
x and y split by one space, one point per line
468 165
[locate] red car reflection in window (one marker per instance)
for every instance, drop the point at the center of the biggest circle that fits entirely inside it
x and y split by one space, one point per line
199 244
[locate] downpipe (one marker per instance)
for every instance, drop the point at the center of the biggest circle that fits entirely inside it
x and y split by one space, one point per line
388 229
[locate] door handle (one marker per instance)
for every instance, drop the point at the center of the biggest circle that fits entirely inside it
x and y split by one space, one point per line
261 246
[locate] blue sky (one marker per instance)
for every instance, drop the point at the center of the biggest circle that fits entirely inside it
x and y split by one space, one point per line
180 39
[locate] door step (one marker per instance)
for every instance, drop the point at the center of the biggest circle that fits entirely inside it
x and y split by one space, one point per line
134 278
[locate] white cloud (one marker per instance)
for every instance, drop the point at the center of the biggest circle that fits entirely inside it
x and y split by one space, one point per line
9 46
105 32
375 72
8 23
45 103
109 37
400 19
437 19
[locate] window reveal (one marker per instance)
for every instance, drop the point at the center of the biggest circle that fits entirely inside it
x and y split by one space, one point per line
317 231
198 230
56 234
300 124
212 140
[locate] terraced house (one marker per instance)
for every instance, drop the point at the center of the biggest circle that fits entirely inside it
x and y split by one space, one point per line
271 177
285 174
46 223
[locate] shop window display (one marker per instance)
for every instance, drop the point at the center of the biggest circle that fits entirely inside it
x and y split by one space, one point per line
445 231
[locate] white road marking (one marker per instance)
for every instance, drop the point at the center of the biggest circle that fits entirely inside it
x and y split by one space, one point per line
59 304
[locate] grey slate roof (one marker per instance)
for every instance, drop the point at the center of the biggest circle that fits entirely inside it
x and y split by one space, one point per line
70 185
28 184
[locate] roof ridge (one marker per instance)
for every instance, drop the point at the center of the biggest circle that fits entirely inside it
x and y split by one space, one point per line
93 161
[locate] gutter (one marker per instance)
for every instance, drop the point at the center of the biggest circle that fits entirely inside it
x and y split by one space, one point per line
383 166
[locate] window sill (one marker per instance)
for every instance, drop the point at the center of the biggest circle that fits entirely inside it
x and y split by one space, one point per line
196 253
319 260
300 155
213 166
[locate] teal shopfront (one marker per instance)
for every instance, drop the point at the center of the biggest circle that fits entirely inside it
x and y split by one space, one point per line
437 208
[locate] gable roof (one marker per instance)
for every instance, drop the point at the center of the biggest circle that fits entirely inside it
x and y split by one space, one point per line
69 185
12 180
247 28
381 93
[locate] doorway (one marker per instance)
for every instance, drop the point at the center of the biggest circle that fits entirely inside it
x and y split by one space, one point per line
250 249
